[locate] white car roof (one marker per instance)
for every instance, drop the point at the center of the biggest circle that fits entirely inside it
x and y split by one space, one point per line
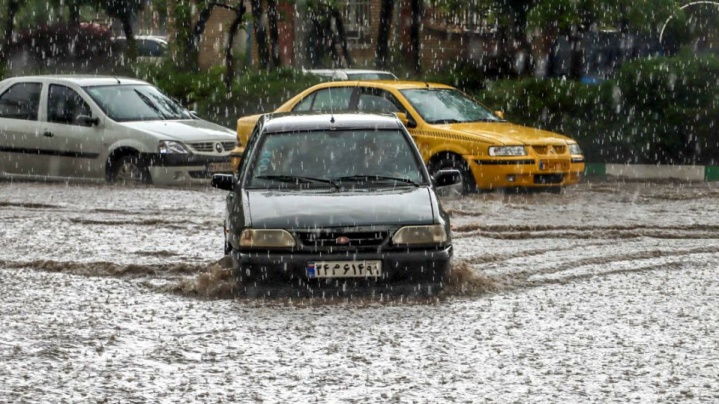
341 72
80 80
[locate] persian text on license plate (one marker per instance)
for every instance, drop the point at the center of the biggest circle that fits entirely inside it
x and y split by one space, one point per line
224 167
344 269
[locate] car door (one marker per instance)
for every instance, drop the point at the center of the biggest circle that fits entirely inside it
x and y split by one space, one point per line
77 140
22 147
378 101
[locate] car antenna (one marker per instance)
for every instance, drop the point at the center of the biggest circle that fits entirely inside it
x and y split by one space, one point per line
118 80
332 114
426 84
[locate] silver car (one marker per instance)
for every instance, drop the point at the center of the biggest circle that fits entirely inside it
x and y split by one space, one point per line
105 128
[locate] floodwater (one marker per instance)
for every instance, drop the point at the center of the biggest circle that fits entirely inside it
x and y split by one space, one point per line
604 293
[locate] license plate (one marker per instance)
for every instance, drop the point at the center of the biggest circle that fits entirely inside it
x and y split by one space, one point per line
224 167
344 269
553 165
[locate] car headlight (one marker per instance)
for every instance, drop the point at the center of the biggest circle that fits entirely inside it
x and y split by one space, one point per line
434 234
171 147
260 238
574 148
507 151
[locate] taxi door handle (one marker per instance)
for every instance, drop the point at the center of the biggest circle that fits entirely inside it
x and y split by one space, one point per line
48 134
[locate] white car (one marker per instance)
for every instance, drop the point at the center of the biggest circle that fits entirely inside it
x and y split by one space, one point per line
150 48
105 128
353 74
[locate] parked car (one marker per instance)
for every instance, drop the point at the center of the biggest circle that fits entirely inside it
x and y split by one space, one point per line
452 130
353 74
316 204
105 128
150 48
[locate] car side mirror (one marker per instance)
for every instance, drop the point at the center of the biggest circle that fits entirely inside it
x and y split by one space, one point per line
442 178
500 114
87 120
194 114
223 181
406 119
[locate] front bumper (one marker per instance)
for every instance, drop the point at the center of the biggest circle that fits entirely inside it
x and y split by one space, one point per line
414 267
526 171
185 169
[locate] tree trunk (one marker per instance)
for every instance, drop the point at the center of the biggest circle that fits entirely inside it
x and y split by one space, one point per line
272 18
13 8
385 20
198 30
414 39
576 58
342 36
229 57
131 52
260 34
74 17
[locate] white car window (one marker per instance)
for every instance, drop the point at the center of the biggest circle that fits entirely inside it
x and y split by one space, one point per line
65 105
21 101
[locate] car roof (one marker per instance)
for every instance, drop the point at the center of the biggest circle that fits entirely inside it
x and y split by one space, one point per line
395 84
333 72
292 121
158 38
81 80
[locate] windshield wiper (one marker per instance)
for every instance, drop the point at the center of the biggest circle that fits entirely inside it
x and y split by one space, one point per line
296 178
150 104
449 120
374 178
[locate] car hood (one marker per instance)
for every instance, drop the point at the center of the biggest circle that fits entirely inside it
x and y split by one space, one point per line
508 133
312 209
185 130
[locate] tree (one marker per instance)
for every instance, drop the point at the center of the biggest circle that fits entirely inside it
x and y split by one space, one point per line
272 18
325 17
514 30
385 21
575 18
13 7
124 11
414 32
260 34
234 27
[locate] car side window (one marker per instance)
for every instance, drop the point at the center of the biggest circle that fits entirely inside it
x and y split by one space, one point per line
64 105
21 101
305 104
376 100
332 99
146 47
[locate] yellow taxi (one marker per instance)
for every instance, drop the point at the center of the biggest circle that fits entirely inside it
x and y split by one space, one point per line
451 130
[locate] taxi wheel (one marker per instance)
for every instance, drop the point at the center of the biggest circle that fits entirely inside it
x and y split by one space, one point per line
456 162
129 171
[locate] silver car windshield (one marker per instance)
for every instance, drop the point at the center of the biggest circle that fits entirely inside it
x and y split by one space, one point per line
447 105
126 103
351 158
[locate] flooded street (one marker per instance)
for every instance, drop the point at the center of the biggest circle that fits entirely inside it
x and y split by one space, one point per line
604 293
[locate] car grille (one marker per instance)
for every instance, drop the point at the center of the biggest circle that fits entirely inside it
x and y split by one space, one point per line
548 178
545 150
208 147
343 241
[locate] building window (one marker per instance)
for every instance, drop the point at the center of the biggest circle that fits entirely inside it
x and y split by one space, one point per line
356 15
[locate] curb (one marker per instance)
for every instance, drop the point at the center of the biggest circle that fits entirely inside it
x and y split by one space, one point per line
653 171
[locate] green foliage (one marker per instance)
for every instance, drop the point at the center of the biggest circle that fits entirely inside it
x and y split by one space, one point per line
250 93
661 110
